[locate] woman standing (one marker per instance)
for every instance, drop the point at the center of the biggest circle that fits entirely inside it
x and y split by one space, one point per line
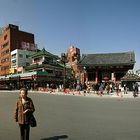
23 111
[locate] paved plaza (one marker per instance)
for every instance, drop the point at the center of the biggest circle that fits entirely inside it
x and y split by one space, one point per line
75 117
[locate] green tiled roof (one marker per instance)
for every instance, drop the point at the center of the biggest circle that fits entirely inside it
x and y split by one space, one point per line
35 66
130 77
125 58
43 52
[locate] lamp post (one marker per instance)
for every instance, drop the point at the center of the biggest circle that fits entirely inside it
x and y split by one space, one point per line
5 75
64 61
0 71
63 56
84 86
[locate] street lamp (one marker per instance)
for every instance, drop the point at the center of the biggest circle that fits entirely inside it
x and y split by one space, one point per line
64 61
4 74
84 86
0 71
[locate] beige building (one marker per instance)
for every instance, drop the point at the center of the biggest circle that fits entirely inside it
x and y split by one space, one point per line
20 59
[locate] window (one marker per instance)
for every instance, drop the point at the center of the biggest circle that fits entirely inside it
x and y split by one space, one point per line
20 55
7 51
27 56
13 56
13 64
49 71
48 60
13 61
5 37
3 53
5 45
27 64
5 60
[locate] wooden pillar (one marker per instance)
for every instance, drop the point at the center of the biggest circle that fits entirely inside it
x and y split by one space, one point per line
82 78
86 78
114 77
96 78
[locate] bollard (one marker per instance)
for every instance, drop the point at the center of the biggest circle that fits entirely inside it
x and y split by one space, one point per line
99 93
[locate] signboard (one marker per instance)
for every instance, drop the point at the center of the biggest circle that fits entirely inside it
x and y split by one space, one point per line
28 46
19 69
12 70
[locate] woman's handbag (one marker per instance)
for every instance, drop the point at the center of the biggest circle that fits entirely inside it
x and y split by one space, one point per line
33 122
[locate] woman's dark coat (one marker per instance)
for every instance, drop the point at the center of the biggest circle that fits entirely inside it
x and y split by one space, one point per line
19 116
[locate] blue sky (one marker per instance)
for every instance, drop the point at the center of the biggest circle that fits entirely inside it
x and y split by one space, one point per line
94 26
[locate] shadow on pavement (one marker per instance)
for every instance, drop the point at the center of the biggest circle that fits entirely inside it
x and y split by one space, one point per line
56 137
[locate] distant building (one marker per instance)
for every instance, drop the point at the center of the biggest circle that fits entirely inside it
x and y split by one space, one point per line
46 63
138 72
20 59
44 69
73 56
105 67
12 38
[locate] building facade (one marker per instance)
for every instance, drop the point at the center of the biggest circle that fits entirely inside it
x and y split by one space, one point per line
45 62
20 59
43 70
73 56
12 38
105 67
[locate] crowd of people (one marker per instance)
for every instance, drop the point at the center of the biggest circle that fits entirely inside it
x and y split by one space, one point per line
103 87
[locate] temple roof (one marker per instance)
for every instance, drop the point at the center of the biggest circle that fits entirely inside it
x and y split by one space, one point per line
36 66
43 52
130 77
124 58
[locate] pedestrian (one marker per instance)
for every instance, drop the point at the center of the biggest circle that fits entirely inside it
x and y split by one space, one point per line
135 90
111 88
24 109
107 88
125 89
101 88
117 89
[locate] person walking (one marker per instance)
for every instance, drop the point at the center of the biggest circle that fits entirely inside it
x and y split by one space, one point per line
101 88
125 89
117 89
24 109
135 90
107 88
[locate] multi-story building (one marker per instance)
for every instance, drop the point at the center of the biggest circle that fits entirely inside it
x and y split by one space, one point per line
12 38
45 62
73 56
44 69
20 59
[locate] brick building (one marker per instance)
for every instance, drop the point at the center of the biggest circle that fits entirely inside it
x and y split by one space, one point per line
73 56
12 38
